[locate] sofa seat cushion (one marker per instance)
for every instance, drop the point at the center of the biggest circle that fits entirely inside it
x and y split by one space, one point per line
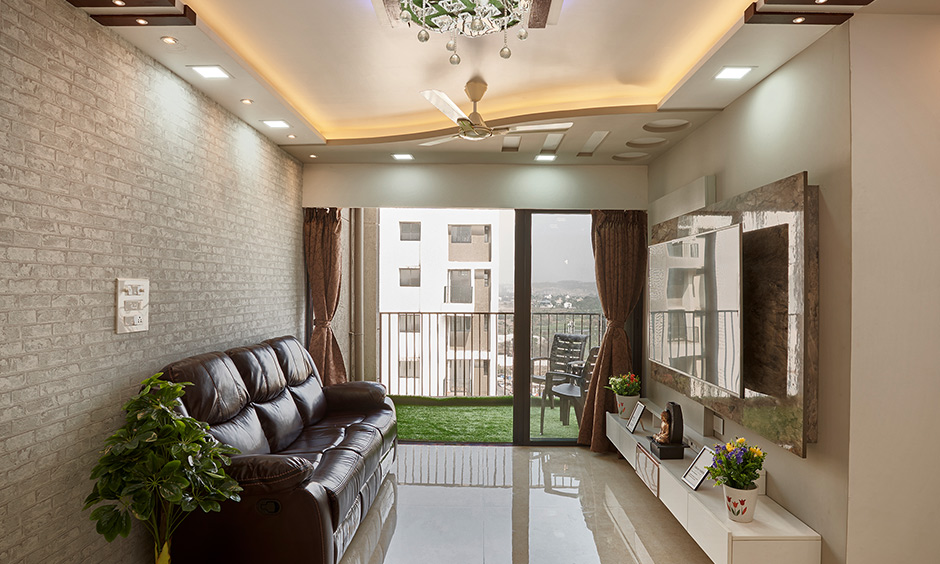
366 441
316 439
386 422
342 473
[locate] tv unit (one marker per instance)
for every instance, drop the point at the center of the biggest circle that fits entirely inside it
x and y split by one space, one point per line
695 307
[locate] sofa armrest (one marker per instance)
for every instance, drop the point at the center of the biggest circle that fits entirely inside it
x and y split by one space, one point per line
261 474
355 396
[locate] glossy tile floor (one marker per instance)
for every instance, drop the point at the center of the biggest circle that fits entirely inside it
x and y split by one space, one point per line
519 505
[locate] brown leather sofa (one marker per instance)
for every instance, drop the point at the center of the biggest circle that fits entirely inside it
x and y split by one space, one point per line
312 457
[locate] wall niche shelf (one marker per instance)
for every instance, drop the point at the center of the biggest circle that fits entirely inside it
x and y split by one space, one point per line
774 537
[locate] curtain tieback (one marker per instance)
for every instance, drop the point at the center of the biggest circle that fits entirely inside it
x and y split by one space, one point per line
322 323
616 322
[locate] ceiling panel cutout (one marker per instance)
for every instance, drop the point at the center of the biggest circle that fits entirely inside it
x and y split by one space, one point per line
511 143
592 143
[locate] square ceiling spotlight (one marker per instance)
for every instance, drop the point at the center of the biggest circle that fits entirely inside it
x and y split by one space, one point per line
733 73
403 157
276 123
210 71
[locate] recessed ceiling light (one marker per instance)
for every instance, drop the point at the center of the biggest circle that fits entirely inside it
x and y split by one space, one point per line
247 101
292 136
118 2
276 123
799 20
169 40
545 157
211 71
313 156
821 1
733 73
141 21
403 157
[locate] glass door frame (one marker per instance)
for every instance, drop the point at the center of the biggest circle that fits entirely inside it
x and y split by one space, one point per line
522 325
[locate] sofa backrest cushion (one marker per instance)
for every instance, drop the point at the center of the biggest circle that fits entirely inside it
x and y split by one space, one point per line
303 380
267 389
219 397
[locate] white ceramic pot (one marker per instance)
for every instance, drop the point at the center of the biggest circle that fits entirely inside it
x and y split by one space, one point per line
741 504
625 405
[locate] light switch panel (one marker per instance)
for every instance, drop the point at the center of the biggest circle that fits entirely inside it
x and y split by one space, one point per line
133 305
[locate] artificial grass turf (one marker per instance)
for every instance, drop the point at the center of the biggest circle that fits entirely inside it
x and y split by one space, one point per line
449 421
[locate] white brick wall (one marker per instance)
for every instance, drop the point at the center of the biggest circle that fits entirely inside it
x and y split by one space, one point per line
111 166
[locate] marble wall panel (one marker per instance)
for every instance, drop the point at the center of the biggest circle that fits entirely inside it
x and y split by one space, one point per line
780 284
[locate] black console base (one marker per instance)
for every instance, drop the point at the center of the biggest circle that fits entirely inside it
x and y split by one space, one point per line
667 452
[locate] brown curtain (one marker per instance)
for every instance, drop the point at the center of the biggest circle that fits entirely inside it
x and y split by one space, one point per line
322 256
619 241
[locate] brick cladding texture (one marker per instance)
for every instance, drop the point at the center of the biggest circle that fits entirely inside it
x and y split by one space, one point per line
112 166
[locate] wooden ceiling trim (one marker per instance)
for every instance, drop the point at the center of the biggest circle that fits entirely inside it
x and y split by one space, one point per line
538 14
813 3
752 16
127 4
187 18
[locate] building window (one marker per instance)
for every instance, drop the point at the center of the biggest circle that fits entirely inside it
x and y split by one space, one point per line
409 322
458 378
460 233
410 230
410 368
410 277
458 329
459 289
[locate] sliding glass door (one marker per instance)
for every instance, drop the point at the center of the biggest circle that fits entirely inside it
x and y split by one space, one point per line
558 313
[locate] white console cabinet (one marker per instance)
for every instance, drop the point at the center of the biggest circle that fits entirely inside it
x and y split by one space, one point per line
774 536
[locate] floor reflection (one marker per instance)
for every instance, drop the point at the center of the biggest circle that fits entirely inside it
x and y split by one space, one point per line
517 505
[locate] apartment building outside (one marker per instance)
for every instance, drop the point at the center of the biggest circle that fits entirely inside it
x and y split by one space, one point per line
439 280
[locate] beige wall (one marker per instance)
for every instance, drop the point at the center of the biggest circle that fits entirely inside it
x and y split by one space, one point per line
480 186
796 119
893 486
112 166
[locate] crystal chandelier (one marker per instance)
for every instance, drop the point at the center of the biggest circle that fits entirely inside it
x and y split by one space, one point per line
469 18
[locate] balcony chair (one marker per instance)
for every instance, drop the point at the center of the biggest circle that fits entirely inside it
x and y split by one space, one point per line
565 350
573 390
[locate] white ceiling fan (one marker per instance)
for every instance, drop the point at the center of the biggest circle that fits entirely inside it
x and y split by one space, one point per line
472 127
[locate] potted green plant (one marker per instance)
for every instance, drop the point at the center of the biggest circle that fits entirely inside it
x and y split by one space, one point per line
736 466
157 468
627 389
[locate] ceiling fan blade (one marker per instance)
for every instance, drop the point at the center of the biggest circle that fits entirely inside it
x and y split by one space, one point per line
511 131
438 141
443 103
539 128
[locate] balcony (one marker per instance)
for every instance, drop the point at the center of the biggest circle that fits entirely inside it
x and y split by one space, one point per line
444 354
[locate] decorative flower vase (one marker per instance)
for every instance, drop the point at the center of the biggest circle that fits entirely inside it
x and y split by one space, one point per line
741 504
625 405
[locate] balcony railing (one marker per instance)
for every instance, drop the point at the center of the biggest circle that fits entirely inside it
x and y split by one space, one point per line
465 354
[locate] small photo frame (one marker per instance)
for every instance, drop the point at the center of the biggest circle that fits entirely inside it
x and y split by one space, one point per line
635 417
698 470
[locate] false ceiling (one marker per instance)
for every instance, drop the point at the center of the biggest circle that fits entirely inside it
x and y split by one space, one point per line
345 75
